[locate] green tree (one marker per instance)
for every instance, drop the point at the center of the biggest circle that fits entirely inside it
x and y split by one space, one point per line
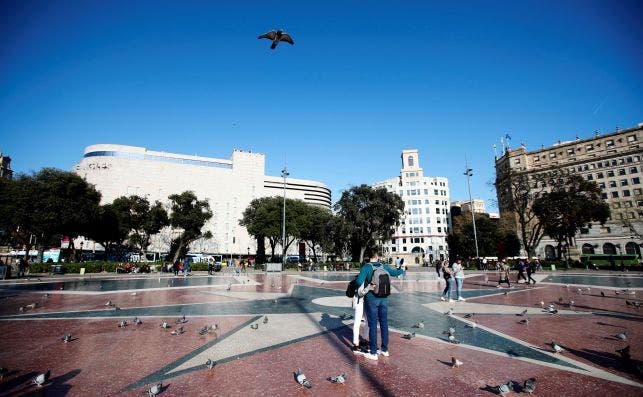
263 219
572 203
461 240
106 228
371 215
189 215
47 205
314 226
139 220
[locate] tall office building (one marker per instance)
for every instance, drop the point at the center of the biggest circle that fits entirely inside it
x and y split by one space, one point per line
425 223
613 161
229 185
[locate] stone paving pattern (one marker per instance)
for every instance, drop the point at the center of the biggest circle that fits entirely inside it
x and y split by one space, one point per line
307 328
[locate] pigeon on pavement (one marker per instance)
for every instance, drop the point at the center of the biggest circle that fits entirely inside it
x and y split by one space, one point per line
166 325
137 321
530 385
122 324
621 335
204 330
449 312
555 347
602 294
505 388
473 324
339 379
181 320
66 338
41 379
265 320
254 326
419 324
276 36
409 336
523 313
301 379
154 390
469 315
210 363
178 331
524 321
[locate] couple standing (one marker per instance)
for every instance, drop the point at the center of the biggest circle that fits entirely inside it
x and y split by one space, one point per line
372 298
455 271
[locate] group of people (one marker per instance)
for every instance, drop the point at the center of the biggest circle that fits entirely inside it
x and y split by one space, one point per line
523 265
451 272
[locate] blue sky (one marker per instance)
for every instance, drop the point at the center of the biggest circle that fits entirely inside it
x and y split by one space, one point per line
362 82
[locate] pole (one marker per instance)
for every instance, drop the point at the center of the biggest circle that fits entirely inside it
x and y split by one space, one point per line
469 172
284 174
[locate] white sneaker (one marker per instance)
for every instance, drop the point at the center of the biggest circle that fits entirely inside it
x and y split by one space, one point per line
383 353
371 356
442 298
461 299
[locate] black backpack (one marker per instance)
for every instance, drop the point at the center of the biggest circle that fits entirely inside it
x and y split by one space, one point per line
351 289
382 282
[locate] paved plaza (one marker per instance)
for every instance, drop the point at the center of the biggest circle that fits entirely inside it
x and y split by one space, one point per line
259 328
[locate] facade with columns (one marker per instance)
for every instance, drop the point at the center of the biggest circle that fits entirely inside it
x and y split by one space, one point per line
425 224
229 185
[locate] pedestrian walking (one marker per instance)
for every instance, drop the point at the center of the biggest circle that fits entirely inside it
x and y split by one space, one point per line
503 268
521 270
531 269
458 275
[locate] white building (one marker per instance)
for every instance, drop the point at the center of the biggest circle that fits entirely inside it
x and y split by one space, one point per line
229 185
478 206
426 221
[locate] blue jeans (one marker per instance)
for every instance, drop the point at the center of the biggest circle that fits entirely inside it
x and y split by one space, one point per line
377 309
458 284
447 290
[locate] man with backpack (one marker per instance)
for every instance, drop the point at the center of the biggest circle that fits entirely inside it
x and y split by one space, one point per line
377 277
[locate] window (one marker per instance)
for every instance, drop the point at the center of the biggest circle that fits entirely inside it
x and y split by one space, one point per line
599 175
626 193
590 177
621 171
570 151
589 147
609 143
633 170
437 210
536 159
552 155
631 138
612 183
614 194
610 173
604 196
601 185
410 161
624 182
636 181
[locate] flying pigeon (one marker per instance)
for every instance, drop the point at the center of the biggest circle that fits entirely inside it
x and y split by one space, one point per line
181 320
625 353
41 379
339 379
301 379
265 320
505 388
178 331
254 326
122 324
137 321
66 338
621 336
409 336
154 390
557 349
276 36
166 325
210 363
524 321
530 385
455 363
523 313
419 324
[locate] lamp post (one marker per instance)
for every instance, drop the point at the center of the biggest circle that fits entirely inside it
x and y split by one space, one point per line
284 174
468 172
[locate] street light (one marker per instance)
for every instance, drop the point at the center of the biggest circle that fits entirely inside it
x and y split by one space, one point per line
469 173
284 174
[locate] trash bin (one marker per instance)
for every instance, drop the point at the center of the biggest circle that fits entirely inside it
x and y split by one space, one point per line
553 268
